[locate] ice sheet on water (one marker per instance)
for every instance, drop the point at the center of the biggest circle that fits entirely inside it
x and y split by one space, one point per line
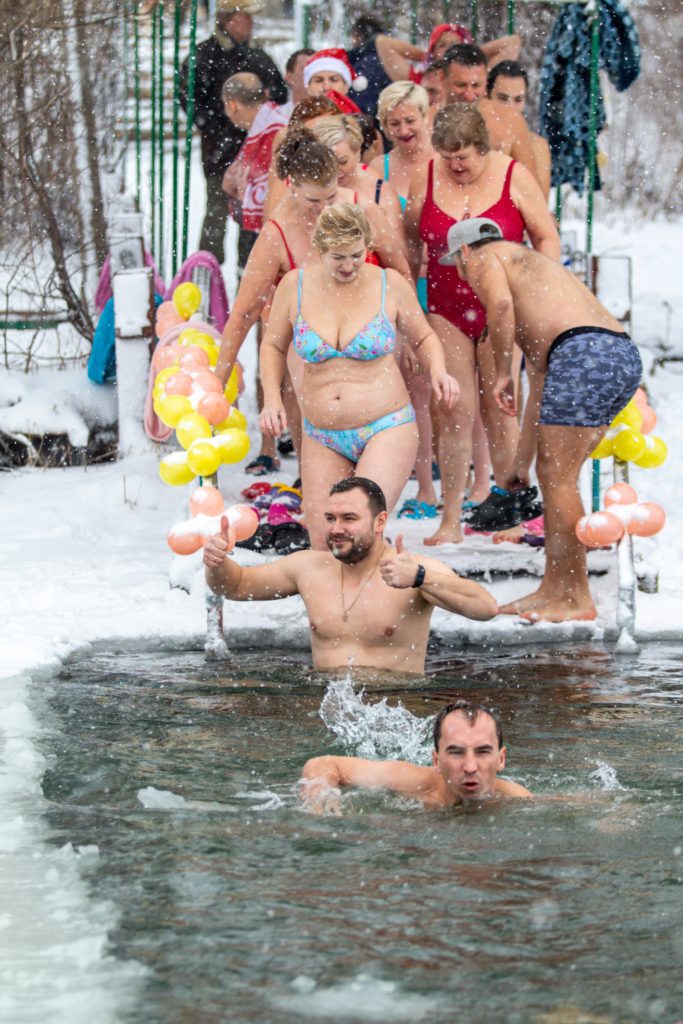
375 730
361 998
164 800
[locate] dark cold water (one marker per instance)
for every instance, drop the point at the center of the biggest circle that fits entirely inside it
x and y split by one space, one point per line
243 908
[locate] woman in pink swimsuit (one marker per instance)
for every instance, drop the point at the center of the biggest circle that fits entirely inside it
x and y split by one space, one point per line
468 179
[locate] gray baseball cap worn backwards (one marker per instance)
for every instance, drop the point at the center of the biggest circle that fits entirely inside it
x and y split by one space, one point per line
467 232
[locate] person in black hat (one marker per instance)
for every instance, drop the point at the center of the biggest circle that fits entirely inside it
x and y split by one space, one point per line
227 52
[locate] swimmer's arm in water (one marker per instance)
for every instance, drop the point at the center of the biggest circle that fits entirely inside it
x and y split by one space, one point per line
260 275
413 324
273 355
254 583
508 788
441 587
323 777
489 282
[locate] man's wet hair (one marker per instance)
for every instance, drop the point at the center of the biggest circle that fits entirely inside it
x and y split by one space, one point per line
367 27
508 68
305 51
471 713
372 491
464 53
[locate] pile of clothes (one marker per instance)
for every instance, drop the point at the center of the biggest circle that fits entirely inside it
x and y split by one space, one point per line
281 527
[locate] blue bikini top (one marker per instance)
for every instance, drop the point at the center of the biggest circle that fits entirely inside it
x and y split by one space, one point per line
376 339
403 200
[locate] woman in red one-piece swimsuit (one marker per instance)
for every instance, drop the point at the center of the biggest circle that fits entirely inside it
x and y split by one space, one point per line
469 180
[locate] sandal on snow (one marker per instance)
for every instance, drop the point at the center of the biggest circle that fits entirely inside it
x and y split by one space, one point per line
255 490
262 540
262 465
505 509
414 509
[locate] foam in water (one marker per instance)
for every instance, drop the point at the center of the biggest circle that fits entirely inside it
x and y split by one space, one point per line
605 777
362 998
375 731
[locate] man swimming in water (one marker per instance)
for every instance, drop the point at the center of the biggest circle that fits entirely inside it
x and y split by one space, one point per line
368 603
468 754
592 369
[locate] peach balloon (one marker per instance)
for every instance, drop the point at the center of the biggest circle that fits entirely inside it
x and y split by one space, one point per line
193 360
648 519
207 381
620 494
165 356
599 529
649 419
640 398
206 500
214 407
179 384
244 521
184 543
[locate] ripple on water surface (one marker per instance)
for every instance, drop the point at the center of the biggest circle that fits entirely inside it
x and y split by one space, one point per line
243 908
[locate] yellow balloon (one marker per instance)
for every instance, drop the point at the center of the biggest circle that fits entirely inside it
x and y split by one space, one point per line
192 427
629 444
173 408
605 447
174 470
163 375
235 418
630 416
212 352
187 298
655 453
203 458
233 444
232 387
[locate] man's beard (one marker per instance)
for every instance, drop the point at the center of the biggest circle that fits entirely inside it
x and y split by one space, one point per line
355 549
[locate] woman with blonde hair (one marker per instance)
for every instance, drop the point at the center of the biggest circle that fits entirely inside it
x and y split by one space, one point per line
341 317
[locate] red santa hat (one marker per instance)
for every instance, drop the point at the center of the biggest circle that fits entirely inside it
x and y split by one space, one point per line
334 59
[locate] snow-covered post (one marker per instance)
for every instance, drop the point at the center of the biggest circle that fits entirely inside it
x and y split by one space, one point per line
133 318
626 592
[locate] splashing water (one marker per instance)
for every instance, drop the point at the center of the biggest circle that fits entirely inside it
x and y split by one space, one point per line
375 730
605 777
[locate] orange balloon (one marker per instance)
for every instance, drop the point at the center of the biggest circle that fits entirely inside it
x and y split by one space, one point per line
640 398
620 494
244 520
214 407
179 384
193 360
168 315
649 419
648 519
599 529
207 381
207 500
165 356
184 543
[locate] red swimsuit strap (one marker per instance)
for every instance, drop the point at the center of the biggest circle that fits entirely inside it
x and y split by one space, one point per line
284 242
508 178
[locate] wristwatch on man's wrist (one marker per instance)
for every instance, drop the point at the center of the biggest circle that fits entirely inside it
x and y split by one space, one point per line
420 576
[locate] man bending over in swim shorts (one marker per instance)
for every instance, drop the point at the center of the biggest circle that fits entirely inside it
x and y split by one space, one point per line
592 369
369 604
468 754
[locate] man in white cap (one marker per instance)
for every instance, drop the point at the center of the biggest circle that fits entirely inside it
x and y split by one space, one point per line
592 369
227 52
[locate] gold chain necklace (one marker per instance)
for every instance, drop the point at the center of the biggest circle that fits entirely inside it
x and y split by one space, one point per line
346 611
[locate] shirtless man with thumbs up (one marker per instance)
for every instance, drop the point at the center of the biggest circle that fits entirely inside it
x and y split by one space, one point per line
368 604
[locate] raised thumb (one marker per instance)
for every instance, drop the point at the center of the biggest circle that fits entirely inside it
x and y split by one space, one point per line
225 528
399 544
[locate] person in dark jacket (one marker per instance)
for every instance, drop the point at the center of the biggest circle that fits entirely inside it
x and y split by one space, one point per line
227 52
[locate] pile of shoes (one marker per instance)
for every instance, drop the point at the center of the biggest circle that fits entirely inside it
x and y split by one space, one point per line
280 527
504 509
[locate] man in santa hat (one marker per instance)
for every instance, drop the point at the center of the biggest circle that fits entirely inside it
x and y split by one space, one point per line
330 73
